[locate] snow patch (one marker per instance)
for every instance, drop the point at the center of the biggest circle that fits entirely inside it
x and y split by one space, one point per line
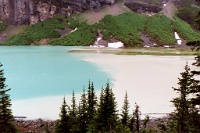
74 30
115 45
178 39
97 41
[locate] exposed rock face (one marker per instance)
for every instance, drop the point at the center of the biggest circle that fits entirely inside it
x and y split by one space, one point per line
144 6
35 126
19 12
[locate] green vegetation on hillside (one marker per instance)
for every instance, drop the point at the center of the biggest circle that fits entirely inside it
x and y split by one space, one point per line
124 27
185 30
83 36
45 29
160 29
3 25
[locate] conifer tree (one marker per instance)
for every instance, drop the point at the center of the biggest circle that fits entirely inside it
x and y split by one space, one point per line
107 113
62 125
91 107
98 120
137 114
125 111
92 102
82 120
195 89
6 117
181 116
73 115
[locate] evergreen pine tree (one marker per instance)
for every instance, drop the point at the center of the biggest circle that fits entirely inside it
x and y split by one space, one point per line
99 121
6 117
62 125
195 89
107 113
137 114
91 107
182 115
92 102
73 115
82 120
125 111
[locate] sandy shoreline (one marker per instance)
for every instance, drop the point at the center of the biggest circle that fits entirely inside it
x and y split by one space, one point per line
147 79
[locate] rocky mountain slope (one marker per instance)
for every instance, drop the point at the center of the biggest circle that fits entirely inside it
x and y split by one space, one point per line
17 12
156 22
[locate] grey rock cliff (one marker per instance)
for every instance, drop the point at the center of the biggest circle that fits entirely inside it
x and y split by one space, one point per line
17 12
144 6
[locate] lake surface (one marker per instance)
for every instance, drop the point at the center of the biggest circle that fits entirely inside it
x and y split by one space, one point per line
39 77
38 71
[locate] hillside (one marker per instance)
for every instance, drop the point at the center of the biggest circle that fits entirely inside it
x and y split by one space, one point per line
113 23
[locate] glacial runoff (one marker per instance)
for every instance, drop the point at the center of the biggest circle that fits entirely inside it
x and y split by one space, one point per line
40 76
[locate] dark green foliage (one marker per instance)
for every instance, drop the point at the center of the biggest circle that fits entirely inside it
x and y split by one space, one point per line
137 114
73 115
107 113
183 116
161 126
195 90
188 13
62 125
3 25
6 117
92 103
82 113
125 111
197 21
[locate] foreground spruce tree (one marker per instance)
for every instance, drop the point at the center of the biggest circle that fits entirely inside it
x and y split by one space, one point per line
73 115
125 111
183 116
91 108
107 113
6 117
196 87
82 114
62 125
92 103
137 114
195 90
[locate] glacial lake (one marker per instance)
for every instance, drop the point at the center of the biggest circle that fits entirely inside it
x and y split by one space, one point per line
38 71
39 77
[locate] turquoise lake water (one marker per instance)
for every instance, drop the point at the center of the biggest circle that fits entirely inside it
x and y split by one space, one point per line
38 71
